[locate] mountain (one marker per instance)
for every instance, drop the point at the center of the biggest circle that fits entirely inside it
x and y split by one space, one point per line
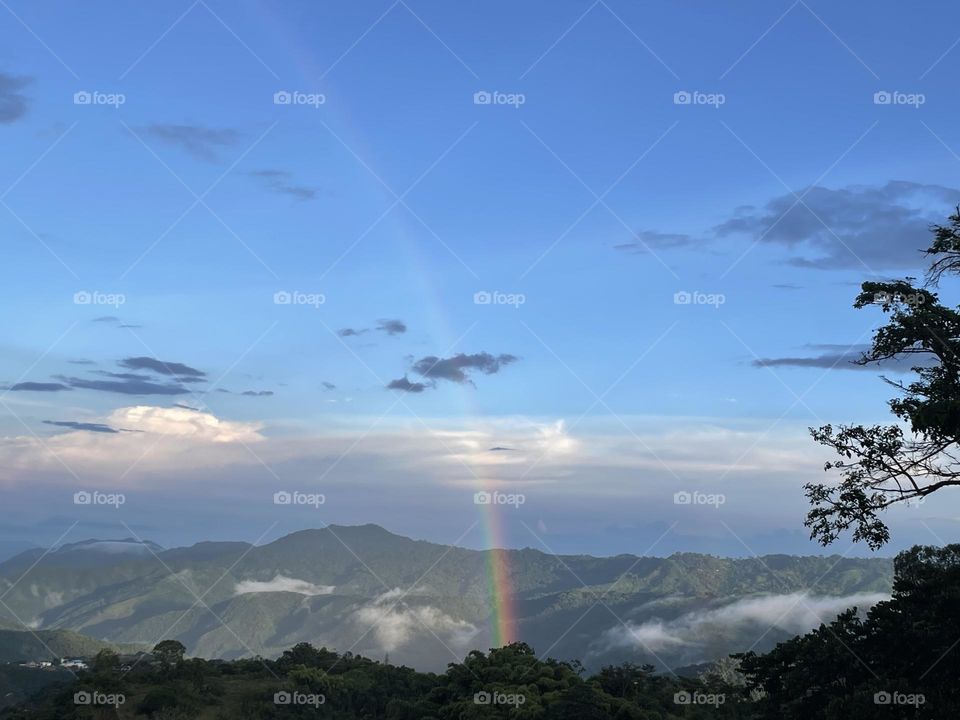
344 587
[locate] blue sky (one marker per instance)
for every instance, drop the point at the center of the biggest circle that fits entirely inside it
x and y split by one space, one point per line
596 197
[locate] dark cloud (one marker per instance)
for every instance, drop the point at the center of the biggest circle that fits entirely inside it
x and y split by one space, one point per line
81 361
13 104
106 319
498 448
91 427
161 367
257 393
351 332
40 387
328 385
392 327
885 226
456 368
648 240
787 286
843 357
281 181
407 386
201 142
125 386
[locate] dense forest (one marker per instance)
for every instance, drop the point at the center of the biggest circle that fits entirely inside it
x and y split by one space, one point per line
894 661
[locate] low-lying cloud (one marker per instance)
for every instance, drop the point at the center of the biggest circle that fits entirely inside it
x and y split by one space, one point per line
282 583
395 623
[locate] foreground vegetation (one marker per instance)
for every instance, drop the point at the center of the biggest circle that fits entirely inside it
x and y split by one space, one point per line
897 661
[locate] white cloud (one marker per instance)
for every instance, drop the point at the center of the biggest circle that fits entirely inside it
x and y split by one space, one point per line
395 623
282 583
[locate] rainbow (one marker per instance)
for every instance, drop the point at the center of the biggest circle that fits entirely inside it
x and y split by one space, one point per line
503 619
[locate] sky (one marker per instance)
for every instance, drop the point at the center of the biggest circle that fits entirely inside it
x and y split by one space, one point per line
392 254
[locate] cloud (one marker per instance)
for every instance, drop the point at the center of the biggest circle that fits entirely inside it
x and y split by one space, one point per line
257 393
39 387
648 240
106 319
407 386
125 386
844 357
392 327
395 623
81 361
201 142
328 385
351 332
792 613
882 227
13 104
455 368
282 583
162 367
90 427
279 181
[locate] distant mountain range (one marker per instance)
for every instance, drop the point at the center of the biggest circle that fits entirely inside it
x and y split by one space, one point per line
366 590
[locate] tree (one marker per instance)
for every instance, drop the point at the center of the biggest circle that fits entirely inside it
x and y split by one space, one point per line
169 652
908 460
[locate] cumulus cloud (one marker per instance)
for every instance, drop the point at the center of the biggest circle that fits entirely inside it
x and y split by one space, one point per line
282 583
794 613
200 142
395 623
453 369
13 103
406 385
882 226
